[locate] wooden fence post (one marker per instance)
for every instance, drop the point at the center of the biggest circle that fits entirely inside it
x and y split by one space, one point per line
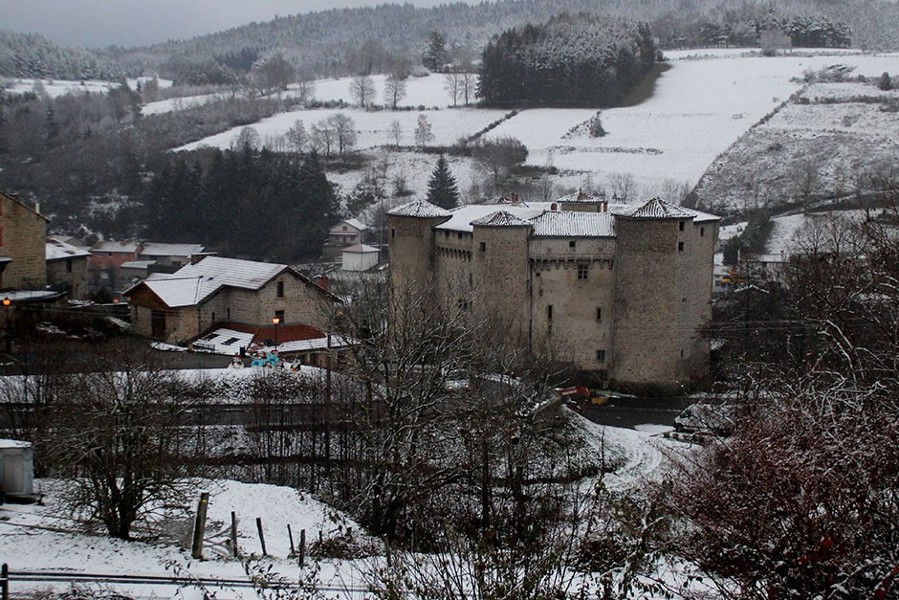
261 535
302 547
290 535
4 581
234 533
200 526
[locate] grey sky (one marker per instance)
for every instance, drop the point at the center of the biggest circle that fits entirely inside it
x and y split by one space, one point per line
97 23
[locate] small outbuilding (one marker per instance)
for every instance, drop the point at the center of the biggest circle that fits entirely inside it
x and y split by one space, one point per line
17 470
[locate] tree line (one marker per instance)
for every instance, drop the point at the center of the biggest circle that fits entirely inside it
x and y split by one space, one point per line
242 202
572 60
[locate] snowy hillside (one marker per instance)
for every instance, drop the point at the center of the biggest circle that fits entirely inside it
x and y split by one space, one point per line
701 106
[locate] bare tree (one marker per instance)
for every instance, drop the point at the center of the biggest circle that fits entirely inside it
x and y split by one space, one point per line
499 156
423 134
297 136
469 84
344 132
324 137
362 89
275 74
623 186
452 83
395 89
247 138
395 132
119 437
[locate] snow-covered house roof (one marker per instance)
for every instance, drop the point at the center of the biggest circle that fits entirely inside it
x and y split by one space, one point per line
354 223
360 249
655 208
574 224
192 284
581 197
163 249
110 247
58 250
420 209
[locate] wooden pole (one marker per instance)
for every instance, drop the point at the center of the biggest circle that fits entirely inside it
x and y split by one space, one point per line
302 547
4 581
261 535
234 533
290 535
200 526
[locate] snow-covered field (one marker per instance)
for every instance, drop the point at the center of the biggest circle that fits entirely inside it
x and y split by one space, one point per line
705 102
55 87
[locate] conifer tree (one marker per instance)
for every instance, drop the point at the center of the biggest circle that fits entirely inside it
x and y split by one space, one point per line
442 189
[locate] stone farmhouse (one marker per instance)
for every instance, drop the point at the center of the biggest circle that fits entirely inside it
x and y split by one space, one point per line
617 290
67 268
218 292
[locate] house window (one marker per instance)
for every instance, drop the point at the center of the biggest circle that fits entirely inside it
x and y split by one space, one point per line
549 312
213 316
229 313
680 225
68 265
343 228
583 271
572 243
279 314
279 290
599 313
680 246
600 356
482 246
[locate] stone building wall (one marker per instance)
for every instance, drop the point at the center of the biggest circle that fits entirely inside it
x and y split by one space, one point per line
502 276
70 272
694 289
22 238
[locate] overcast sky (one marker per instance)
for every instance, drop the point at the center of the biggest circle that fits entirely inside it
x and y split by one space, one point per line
98 23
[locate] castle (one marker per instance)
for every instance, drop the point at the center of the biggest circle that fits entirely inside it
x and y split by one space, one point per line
619 290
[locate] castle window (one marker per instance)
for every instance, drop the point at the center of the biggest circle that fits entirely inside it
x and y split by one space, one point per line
392 233
599 313
583 271
1 236
680 225
482 246
600 356
459 233
279 289
549 312
572 243
702 232
213 316
680 246
68 265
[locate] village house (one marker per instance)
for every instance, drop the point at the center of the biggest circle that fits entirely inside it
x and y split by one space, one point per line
254 299
348 233
116 266
67 268
618 290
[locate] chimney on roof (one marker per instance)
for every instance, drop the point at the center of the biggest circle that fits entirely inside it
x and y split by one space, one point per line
514 198
604 206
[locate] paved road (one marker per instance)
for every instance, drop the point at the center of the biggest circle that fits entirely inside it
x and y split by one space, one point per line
630 412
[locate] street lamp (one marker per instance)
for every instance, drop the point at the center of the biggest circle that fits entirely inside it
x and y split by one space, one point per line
276 321
6 304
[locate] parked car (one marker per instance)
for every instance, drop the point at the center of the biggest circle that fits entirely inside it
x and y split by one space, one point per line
703 417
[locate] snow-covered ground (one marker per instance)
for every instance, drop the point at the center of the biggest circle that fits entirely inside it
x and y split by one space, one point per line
705 102
56 87
43 538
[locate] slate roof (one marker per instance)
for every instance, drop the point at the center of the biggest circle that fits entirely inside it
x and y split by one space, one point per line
461 218
354 223
574 224
163 249
419 208
655 208
501 218
192 284
360 249
57 250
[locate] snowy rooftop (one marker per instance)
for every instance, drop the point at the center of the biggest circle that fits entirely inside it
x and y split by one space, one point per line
56 250
501 218
355 223
574 224
162 249
581 197
656 208
419 208
360 249
461 219
137 264
6 444
130 247
192 284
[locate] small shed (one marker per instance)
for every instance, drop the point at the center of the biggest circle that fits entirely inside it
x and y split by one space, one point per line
360 257
17 469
